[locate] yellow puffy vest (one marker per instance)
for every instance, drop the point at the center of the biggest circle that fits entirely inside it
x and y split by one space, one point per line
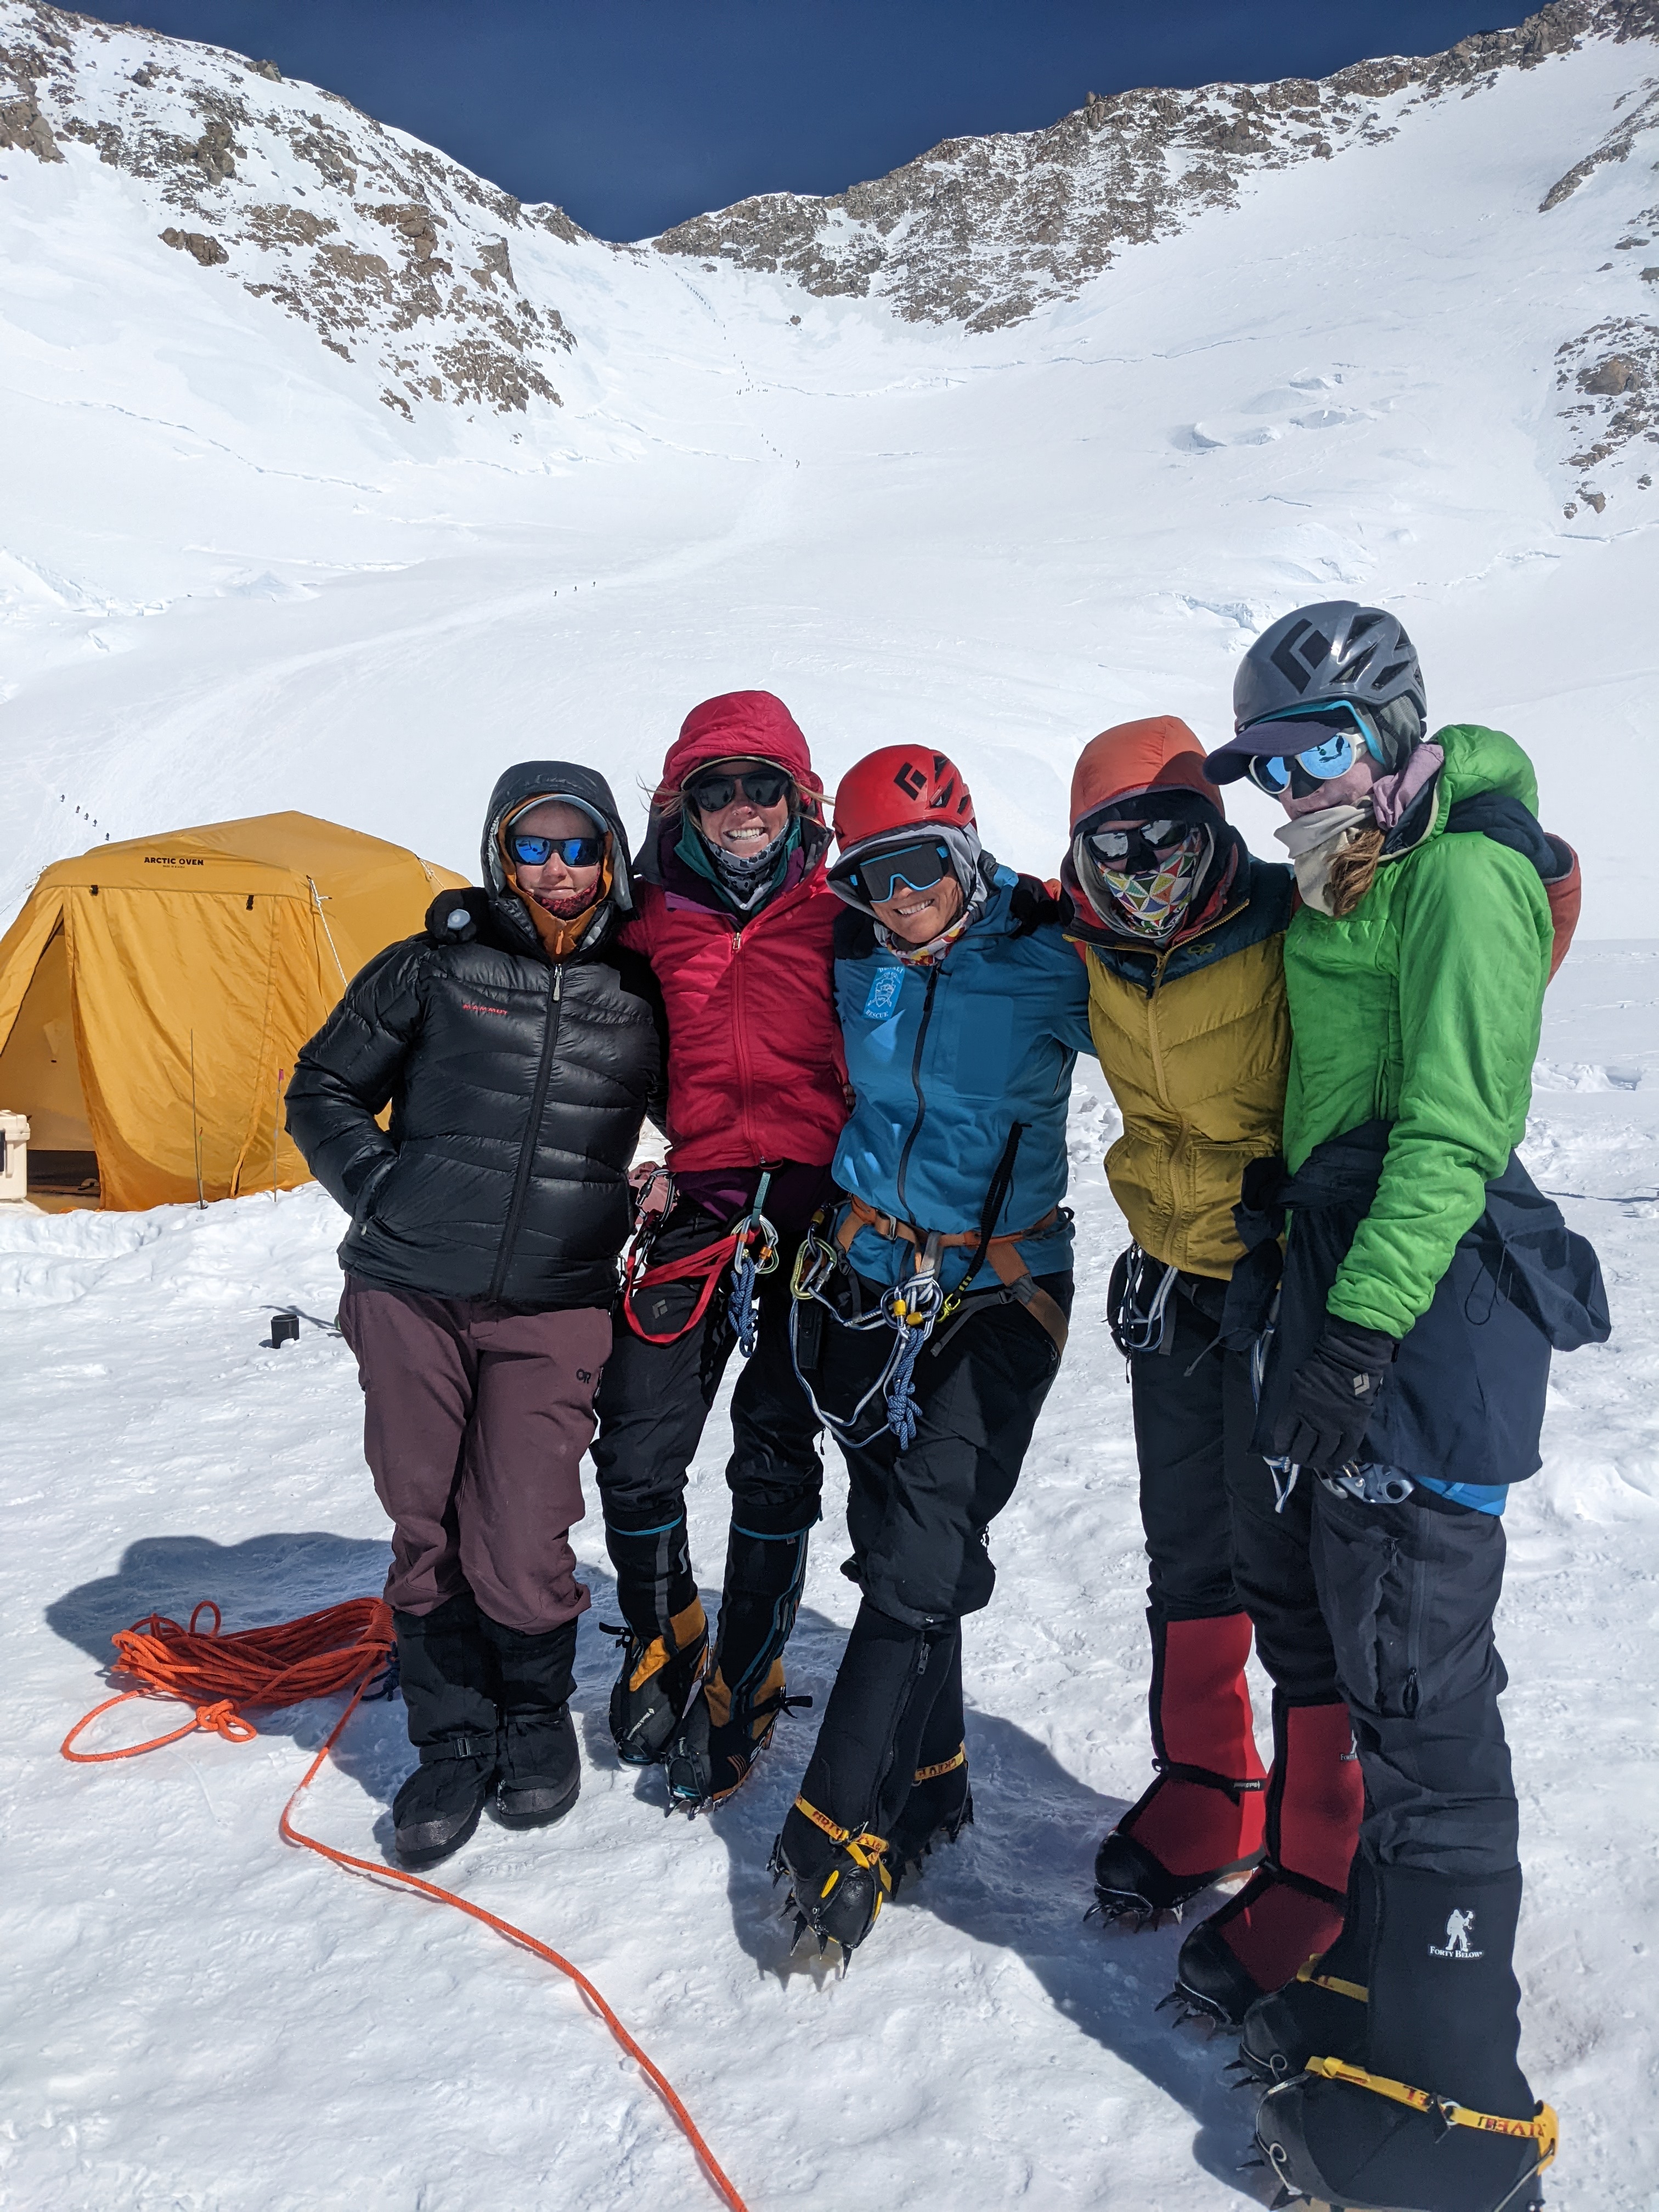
1198 1069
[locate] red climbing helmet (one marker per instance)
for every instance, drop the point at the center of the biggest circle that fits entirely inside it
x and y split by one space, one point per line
901 787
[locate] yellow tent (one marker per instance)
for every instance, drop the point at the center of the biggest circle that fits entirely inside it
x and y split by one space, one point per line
153 995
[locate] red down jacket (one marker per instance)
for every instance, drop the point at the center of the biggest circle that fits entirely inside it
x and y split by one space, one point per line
756 1070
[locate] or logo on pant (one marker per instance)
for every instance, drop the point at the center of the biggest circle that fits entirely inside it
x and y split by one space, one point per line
583 1375
1460 1926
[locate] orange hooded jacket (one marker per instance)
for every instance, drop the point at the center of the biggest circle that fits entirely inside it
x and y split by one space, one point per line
1194 1040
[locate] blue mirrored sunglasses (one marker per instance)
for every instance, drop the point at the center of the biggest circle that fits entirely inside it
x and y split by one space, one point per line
1342 732
575 851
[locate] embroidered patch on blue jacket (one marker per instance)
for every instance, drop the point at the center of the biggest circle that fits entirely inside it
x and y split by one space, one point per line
885 987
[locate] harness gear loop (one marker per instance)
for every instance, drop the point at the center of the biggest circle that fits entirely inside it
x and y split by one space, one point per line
755 1254
1544 2128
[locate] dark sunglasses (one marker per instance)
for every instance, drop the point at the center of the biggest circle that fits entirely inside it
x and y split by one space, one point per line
761 786
575 851
1340 737
876 877
1124 847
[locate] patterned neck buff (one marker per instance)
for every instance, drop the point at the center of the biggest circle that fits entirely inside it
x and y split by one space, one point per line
1154 902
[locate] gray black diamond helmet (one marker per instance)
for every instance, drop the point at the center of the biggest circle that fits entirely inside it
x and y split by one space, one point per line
1336 650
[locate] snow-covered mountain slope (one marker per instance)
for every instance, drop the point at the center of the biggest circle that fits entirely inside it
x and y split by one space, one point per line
205 2022
232 576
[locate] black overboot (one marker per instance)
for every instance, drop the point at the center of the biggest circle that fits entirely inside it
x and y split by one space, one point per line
541 1770
451 1689
940 1804
730 1723
1322 2014
834 1847
1441 2118
664 1643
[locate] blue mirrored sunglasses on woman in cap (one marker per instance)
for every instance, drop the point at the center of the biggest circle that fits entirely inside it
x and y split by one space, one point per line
1343 734
575 851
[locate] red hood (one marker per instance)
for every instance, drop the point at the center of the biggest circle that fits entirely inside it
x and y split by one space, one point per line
740 725
1137 757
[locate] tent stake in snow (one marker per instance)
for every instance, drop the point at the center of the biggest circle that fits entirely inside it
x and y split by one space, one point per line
196 1125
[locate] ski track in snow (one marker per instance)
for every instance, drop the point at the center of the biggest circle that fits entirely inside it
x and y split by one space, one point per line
208 2019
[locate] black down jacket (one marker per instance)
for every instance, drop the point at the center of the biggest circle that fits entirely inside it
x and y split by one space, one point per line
517 1085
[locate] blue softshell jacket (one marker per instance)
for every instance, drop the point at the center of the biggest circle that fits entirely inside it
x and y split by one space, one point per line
943 1060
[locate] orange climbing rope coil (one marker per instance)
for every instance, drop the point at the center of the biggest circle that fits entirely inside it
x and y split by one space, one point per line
343 1647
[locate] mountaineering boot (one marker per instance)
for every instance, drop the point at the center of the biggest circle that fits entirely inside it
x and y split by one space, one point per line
451 1690
1202 1817
1440 2117
665 1645
1322 2012
939 1804
1292 1907
541 1770
833 1845
839 1880
729 1721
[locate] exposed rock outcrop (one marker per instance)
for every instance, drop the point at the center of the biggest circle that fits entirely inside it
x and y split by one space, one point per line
380 244
983 231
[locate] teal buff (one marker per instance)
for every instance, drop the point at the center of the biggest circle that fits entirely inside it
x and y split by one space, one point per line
694 850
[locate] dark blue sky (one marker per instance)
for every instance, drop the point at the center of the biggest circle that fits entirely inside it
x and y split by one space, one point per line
636 113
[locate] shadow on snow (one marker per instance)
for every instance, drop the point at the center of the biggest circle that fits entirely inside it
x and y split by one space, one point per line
1018 1879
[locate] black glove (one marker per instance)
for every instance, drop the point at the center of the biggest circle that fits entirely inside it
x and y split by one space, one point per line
1334 1397
456 917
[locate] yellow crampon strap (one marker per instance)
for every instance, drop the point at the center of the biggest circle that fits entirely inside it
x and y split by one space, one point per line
866 1849
958 1758
1333 1982
1544 2128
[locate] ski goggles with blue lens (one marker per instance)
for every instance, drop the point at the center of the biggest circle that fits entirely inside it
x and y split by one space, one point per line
873 878
575 851
1344 736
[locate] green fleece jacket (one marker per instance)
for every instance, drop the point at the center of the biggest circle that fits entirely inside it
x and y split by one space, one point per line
1422 1008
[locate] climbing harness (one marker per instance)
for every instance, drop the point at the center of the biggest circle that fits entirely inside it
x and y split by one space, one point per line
751 1247
349 1646
914 1307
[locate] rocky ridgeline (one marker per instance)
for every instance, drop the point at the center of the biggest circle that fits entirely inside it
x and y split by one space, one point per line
984 231
392 254
1610 372
396 255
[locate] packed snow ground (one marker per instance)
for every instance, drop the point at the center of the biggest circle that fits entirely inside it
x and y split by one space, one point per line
230 581
205 2018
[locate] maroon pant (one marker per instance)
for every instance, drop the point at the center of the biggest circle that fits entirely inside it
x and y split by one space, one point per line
474 1420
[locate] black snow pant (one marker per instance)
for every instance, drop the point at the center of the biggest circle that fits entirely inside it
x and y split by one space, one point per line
652 1405
1215 1544
920 1521
1409 1591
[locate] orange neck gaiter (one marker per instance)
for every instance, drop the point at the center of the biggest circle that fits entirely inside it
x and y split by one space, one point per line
560 934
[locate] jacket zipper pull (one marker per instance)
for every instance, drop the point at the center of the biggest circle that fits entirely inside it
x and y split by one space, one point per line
558 982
